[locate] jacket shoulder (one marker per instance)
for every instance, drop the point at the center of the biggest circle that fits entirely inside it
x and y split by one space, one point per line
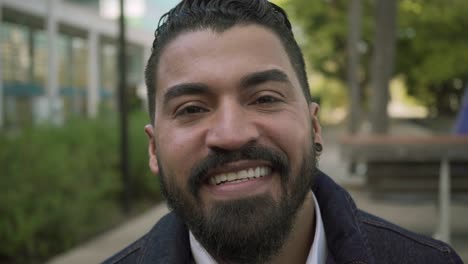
393 244
128 254
166 242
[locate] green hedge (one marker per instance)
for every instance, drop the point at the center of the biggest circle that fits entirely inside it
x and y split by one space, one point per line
61 185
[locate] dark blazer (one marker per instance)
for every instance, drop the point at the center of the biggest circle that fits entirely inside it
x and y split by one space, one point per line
353 237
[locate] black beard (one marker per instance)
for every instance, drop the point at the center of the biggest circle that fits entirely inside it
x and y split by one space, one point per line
248 230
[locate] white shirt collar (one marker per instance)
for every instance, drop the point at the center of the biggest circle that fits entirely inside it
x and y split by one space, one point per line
317 253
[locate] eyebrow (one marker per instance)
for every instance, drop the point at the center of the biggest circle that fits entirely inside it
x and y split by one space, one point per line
257 78
250 80
184 89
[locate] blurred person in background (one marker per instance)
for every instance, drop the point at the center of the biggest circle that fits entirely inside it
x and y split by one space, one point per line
461 124
235 140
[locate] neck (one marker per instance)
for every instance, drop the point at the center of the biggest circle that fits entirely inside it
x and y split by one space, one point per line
297 247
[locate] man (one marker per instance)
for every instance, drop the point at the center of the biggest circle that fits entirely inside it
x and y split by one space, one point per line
235 139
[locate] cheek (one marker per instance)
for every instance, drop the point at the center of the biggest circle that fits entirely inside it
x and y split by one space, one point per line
292 135
178 150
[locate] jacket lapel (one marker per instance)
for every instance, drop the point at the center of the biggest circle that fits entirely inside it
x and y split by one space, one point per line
345 238
167 242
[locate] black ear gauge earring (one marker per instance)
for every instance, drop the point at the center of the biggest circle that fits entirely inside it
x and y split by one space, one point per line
318 148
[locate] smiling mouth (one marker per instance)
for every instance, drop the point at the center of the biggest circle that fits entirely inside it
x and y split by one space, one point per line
240 176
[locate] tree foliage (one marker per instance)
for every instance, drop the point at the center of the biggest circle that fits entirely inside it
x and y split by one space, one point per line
433 51
322 33
432 45
61 185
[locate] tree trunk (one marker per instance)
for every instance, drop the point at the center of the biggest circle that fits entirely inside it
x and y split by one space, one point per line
382 63
354 35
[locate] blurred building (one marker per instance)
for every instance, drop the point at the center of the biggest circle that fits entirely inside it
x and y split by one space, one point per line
59 58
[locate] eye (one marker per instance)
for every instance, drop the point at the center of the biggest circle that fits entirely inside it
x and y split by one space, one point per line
266 99
190 110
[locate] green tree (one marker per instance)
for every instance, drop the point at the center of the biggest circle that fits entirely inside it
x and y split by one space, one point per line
431 52
322 33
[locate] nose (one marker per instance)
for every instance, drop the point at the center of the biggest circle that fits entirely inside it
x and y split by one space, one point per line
232 128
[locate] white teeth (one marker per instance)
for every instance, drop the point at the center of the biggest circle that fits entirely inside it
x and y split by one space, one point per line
223 177
212 181
243 174
251 173
231 176
239 176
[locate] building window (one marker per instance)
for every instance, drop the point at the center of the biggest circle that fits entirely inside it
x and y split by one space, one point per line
73 75
21 88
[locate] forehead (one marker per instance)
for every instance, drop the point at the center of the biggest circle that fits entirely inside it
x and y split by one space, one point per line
207 56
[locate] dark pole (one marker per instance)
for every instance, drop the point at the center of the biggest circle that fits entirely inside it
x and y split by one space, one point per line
123 114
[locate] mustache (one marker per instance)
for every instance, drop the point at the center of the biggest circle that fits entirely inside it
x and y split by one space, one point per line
251 151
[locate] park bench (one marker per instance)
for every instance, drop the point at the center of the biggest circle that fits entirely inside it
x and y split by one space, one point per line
413 164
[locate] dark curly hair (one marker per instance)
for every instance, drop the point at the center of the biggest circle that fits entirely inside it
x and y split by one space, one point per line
220 15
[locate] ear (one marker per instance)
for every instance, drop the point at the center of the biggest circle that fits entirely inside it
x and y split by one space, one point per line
317 129
153 161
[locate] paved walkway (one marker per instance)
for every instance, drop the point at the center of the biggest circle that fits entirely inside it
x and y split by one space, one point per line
106 245
418 216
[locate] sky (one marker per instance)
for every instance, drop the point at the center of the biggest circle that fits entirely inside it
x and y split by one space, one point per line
141 13
155 9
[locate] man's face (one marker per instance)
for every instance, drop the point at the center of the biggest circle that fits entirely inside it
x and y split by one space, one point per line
232 139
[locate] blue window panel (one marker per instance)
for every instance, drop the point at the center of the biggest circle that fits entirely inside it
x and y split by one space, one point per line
72 91
22 89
